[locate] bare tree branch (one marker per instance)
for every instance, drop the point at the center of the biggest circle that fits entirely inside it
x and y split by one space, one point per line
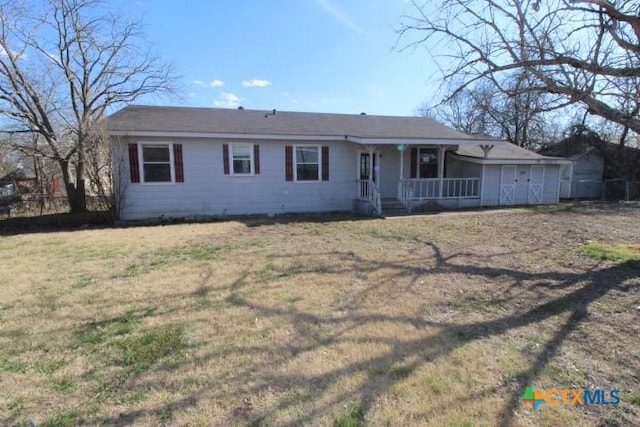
579 51
82 62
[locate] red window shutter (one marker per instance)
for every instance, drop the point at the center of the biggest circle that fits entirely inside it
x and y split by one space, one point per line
325 163
225 158
256 159
134 166
177 162
288 163
413 170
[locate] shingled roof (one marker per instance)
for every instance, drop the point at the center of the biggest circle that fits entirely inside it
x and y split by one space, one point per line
573 146
501 151
138 119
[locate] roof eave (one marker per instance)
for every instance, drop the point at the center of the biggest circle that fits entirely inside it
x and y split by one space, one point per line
511 161
419 141
221 135
305 137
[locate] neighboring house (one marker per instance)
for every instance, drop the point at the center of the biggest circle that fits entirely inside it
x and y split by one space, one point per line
178 162
594 160
582 178
16 182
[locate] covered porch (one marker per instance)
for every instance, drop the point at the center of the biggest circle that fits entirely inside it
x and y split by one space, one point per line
411 174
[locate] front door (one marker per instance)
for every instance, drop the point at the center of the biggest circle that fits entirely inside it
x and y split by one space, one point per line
507 185
365 166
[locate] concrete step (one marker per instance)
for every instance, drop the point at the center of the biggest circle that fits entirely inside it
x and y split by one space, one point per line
392 207
394 212
392 204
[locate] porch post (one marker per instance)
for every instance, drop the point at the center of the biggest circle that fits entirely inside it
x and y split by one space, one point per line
371 171
441 151
401 148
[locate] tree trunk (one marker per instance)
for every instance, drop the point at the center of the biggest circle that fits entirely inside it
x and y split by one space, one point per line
75 193
78 202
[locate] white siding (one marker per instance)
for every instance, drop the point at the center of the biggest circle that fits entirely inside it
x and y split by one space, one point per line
588 167
521 195
491 185
457 168
207 191
551 190
389 170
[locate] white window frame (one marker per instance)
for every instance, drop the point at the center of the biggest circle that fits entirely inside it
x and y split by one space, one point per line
295 163
252 168
141 162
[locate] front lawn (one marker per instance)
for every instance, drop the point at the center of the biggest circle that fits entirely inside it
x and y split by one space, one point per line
431 320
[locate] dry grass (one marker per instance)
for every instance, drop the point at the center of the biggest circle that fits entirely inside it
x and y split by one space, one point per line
437 320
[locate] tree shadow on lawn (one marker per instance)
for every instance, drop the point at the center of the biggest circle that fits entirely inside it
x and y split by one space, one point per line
581 289
67 222
575 304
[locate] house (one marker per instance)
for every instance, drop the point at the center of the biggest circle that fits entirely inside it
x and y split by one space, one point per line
176 162
582 178
17 182
594 161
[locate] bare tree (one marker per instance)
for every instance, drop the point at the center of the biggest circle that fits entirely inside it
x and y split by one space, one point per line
508 111
105 159
584 52
466 111
7 160
63 65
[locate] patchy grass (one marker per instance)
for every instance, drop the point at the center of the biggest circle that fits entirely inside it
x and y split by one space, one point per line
140 352
634 398
351 416
612 252
66 417
437 320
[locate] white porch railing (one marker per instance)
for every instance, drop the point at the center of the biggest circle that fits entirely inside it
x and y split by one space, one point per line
460 188
368 192
405 194
436 188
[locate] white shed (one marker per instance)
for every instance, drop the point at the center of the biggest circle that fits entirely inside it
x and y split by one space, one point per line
511 175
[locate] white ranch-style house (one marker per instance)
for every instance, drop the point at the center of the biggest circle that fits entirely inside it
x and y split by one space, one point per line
177 162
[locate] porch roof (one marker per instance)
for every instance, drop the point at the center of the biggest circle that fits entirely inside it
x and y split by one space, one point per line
467 141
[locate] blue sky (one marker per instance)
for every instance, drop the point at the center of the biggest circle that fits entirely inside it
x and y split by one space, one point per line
298 55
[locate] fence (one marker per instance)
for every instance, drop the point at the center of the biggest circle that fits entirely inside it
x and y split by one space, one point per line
620 189
38 205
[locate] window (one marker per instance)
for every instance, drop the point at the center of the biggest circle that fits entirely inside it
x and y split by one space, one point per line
307 163
159 163
242 159
428 163
156 163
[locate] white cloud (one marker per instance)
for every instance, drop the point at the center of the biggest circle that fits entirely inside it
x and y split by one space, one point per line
339 15
14 53
227 100
256 83
211 84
